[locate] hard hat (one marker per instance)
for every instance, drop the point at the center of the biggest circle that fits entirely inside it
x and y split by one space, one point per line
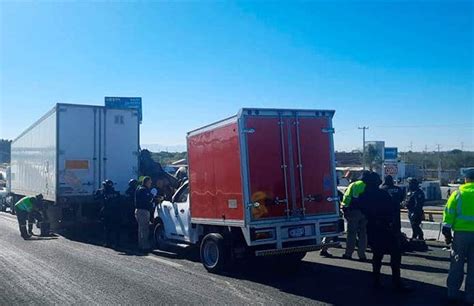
132 182
412 181
107 183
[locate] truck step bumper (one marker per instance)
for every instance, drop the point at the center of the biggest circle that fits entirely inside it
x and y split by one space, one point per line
299 249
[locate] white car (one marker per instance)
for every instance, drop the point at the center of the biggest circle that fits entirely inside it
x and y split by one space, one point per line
173 220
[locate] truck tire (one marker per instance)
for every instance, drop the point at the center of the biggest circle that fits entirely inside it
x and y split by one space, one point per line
214 253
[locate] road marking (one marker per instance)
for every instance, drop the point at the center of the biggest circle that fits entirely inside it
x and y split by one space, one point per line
164 261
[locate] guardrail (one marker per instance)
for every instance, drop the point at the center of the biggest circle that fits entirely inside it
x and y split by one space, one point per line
430 214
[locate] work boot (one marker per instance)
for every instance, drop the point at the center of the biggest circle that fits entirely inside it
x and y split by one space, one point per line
345 256
363 259
26 237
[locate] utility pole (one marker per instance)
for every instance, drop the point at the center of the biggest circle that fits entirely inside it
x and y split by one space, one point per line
363 144
424 162
439 163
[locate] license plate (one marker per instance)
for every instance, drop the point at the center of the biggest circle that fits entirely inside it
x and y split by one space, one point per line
296 232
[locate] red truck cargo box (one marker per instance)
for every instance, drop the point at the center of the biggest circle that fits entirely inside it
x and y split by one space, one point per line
263 165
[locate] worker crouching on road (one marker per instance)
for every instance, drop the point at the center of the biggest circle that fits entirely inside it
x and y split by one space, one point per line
110 213
356 220
143 205
459 217
28 209
383 229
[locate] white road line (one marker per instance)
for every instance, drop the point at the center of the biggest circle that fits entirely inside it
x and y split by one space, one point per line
164 261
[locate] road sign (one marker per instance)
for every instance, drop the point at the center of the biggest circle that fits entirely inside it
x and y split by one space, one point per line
391 169
125 103
390 153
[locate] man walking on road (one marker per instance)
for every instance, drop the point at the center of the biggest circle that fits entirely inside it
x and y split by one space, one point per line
414 201
356 221
25 210
143 206
459 217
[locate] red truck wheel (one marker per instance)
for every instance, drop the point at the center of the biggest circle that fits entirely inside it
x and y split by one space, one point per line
213 252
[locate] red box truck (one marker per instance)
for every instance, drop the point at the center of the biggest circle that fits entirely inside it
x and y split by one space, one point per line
262 182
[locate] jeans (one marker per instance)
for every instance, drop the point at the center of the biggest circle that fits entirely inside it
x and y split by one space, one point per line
462 252
356 228
143 220
415 222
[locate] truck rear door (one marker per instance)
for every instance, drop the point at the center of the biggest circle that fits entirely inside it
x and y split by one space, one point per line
120 146
290 163
77 150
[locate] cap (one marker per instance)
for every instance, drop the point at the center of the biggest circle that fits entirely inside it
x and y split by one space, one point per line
469 174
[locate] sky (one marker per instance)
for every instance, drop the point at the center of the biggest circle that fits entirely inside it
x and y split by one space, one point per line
404 69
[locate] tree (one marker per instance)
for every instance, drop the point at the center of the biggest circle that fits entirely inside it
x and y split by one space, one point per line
373 158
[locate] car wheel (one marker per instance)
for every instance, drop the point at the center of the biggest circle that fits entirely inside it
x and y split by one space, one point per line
159 235
213 252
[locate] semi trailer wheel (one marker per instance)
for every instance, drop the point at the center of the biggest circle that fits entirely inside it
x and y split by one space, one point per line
214 253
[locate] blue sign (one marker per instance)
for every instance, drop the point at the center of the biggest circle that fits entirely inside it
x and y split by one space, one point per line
391 153
125 103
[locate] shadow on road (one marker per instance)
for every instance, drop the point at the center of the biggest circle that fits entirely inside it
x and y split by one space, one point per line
428 257
338 285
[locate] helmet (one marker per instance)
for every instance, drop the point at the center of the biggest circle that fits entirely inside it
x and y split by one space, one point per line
132 183
366 175
388 180
412 181
107 184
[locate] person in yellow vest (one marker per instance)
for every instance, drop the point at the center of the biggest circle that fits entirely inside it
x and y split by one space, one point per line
356 220
25 210
458 217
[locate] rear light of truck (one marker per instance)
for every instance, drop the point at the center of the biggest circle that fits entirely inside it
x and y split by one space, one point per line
262 234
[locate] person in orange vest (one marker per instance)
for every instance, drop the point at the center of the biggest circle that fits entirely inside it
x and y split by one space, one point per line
26 208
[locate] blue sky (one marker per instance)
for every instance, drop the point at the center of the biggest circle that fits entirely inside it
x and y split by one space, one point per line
405 69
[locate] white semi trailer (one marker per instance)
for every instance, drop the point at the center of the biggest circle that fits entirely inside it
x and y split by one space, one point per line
68 152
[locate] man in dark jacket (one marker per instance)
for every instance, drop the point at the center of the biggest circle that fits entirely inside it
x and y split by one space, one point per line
394 191
414 201
383 229
109 212
143 206
129 209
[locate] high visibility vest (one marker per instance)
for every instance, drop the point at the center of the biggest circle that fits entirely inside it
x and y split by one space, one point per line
25 204
354 190
459 211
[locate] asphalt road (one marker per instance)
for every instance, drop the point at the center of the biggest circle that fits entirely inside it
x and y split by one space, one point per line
60 270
